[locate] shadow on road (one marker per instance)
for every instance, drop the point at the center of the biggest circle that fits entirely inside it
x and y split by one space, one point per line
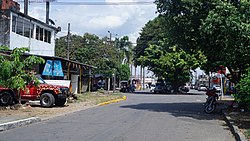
193 110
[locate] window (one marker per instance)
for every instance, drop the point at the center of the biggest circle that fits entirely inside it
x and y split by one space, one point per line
47 37
26 29
41 34
22 26
37 32
31 30
14 23
19 27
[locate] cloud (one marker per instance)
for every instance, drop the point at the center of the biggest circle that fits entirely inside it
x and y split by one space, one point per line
98 19
111 21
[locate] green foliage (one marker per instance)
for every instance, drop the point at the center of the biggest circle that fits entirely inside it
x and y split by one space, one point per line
220 29
160 47
243 90
123 72
100 52
16 70
226 31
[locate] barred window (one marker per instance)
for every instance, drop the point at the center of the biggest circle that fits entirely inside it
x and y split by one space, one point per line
19 27
26 28
14 23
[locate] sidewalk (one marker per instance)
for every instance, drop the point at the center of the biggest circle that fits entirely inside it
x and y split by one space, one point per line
224 103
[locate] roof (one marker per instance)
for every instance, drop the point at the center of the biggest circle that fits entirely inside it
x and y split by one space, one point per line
6 53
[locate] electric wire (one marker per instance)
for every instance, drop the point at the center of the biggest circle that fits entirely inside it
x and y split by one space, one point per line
92 3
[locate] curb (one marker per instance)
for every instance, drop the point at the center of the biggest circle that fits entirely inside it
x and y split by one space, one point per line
18 123
113 101
234 129
27 121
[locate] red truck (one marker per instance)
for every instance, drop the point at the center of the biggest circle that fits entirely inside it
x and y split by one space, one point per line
47 94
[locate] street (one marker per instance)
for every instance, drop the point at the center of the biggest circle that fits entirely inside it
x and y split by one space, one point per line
142 117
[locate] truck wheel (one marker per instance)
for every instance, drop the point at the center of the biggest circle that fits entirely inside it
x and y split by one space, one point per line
47 100
6 99
60 102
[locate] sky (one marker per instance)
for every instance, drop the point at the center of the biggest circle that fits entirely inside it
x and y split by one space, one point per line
92 16
120 20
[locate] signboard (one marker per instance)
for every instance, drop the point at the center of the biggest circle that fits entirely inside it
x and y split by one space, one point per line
53 68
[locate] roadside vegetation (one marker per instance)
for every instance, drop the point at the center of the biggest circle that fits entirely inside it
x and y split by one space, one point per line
97 97
188 34
83 101
111 57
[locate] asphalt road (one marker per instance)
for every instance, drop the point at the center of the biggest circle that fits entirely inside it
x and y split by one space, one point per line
142 117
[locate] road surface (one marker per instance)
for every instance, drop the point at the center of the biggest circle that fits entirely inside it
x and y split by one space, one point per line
142 117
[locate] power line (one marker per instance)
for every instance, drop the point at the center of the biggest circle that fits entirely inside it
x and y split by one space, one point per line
93 3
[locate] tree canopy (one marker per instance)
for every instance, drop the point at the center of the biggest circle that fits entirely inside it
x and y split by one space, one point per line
105 54
16 71
212 33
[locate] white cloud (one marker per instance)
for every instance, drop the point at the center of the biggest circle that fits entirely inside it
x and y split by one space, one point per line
107 22
98 19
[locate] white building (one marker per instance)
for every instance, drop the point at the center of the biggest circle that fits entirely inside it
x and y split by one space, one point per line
20 30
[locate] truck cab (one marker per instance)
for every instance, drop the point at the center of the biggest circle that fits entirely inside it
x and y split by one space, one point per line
48 94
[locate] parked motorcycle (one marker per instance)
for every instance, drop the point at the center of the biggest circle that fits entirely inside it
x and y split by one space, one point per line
210 104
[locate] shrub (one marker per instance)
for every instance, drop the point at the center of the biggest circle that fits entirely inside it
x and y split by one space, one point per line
243 88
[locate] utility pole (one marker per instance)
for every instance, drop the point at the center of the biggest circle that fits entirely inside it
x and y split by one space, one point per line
68 40
143 78
110 36
47 12
26 4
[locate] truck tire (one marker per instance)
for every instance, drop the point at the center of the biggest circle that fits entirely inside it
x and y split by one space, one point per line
60 102
47 100
6 99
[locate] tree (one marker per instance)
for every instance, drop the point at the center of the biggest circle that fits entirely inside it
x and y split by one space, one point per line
16 70
99 52
123 72
227 34
125 47
220 29
165 57
173 66
243 88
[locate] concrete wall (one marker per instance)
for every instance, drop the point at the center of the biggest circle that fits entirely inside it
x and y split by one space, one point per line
36 47
74 83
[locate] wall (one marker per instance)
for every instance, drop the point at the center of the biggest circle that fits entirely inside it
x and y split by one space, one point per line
36 47
74 83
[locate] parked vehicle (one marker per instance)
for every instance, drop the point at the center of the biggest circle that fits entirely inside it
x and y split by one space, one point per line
123 86
202 88
159 88
183 89
152 87
217 88
47 94
210 104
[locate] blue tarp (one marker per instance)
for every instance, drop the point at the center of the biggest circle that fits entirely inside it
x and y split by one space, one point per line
53 68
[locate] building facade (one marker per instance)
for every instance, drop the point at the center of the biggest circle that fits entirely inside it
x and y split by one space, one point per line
20 30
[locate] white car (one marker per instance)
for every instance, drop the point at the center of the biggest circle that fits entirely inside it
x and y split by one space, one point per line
217 87
152 87
202 88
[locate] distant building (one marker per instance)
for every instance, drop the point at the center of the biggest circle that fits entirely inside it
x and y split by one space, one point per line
20 30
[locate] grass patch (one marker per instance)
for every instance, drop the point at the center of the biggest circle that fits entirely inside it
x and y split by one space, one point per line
96 98
247 133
